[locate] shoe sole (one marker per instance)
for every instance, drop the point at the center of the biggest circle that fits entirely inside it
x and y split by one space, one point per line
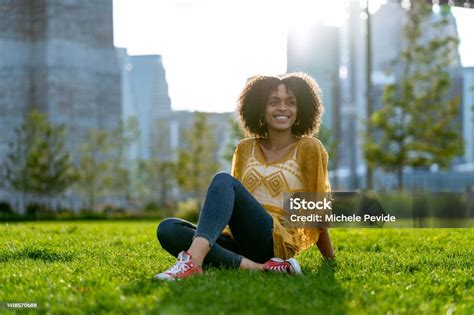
157 278
296 266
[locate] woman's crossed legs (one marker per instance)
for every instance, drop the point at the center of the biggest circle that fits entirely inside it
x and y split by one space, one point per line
227 202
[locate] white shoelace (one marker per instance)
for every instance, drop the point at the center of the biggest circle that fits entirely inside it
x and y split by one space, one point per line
178 267
281 268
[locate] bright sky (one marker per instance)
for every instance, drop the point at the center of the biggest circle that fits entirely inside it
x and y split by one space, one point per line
211 47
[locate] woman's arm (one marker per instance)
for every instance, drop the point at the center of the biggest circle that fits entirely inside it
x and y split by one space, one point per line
325 245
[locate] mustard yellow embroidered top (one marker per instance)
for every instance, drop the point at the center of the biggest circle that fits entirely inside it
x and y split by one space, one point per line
304 168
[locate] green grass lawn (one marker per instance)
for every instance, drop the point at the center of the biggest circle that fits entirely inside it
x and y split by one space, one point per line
105 267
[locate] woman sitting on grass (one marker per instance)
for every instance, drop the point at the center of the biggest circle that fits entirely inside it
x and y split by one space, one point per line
282 114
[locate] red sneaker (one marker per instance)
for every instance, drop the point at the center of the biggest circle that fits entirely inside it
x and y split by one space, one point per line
289 266
183 268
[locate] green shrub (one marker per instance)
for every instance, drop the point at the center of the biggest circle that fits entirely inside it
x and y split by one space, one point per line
5 208
113 211
7 213
37 211
87 214
151 206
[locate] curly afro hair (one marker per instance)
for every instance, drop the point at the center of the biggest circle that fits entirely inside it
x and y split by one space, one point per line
254 97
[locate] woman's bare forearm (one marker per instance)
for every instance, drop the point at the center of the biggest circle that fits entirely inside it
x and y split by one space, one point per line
325 245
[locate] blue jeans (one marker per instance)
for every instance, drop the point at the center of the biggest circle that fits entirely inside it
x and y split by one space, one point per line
227 202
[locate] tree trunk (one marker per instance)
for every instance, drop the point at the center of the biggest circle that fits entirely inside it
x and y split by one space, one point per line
23 203
400 178
91 200
368 70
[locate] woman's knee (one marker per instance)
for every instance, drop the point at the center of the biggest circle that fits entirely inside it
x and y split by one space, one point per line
175 235
166 230
222 178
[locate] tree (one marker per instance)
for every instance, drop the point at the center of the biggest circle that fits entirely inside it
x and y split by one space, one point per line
236 134
416 125
94 176
154 180
162 162
197 163
38 161
330 143
103 167
15 168
52 171
121 139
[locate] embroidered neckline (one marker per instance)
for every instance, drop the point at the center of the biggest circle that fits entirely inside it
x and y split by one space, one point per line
260 157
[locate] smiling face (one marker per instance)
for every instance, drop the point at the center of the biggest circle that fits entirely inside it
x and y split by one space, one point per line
281 109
